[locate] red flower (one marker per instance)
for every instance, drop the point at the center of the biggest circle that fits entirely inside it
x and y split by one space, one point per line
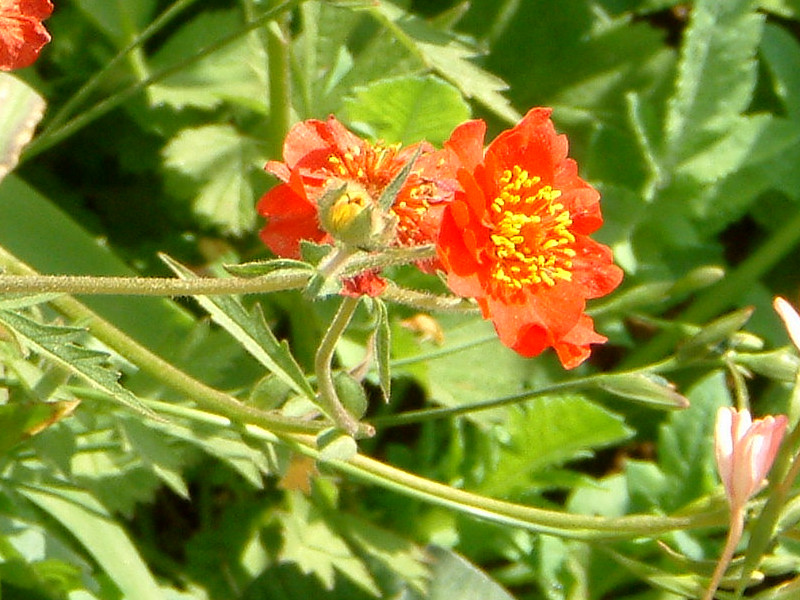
22 34
515 238
319 155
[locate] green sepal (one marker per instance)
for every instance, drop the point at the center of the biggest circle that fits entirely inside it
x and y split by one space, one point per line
390 192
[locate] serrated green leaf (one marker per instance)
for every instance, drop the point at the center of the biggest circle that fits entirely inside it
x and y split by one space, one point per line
235 72
21 109
17 301
448 57
383 349
781 53
60 344
251 330
685 443
407 109
310 543
102 537
547 431
716 75
212 166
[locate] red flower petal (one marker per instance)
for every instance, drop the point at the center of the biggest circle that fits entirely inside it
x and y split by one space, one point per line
515 238
22 34
321 154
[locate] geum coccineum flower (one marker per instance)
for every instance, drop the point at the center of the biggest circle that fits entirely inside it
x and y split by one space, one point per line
515 238
22 34
324 155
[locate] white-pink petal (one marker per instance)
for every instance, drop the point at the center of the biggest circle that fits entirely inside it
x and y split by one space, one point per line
790 319
745 450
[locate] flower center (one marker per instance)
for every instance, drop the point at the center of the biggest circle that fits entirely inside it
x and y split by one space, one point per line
373 166
531 237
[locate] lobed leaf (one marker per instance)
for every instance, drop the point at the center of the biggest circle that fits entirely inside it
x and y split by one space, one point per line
407 109
212 166
251 331
61 345
447 56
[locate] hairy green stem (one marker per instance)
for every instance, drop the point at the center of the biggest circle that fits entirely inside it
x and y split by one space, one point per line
327 398
153 286
203 395
222 409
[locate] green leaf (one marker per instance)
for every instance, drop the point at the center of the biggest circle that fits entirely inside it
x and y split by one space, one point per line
119 20
61 345
389 195
547 431
459 373
716 75
453 577
158 452
19 421
407 109
235 72
394 553
27 223
214 168
21 109
685 443
102 537
310 543
251 330
447 56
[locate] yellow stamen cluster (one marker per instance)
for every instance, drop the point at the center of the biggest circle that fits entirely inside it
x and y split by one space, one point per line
366 163
531 236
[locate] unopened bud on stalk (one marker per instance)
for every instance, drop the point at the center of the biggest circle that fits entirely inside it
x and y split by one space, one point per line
352 217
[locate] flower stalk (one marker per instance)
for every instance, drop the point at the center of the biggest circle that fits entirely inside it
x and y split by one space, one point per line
327 397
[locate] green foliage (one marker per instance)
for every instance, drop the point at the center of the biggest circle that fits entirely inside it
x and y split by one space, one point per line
214 167
407 110
685 115
62 345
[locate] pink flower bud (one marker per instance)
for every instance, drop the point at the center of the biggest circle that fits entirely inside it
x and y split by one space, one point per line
745 451
790 319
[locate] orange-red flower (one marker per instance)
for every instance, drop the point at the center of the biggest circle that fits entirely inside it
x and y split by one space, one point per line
515 237
22 34
320 155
